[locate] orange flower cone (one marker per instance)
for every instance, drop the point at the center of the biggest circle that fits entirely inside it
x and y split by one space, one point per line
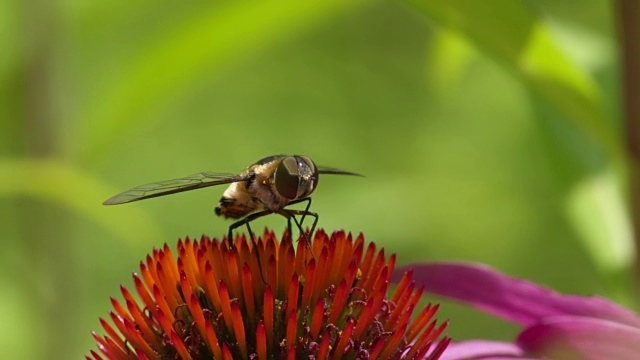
329 302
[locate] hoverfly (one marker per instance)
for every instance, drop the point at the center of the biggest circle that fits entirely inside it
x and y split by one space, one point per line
266 187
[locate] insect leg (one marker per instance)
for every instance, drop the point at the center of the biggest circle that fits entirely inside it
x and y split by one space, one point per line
246 222
291 214
287 213
306 210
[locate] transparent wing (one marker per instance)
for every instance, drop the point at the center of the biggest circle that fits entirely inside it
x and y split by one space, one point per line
330 170
161 188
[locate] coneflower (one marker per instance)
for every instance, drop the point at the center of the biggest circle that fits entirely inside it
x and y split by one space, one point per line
327 302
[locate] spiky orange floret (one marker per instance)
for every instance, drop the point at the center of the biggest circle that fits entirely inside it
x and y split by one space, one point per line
327 301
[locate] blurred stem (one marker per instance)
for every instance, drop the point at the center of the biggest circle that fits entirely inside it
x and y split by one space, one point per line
629 20
44 226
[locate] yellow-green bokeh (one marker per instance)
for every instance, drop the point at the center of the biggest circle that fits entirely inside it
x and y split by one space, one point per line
486 133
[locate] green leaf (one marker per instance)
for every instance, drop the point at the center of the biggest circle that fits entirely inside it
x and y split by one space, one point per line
521 41
516 36
596 207
198 46
449 57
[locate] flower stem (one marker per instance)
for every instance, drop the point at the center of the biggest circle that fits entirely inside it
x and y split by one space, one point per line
629 28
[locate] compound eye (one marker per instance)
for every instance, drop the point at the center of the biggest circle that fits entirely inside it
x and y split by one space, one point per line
287 178
312 182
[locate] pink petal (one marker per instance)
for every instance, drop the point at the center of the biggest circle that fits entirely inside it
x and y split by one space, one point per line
512 299
481 349
571 337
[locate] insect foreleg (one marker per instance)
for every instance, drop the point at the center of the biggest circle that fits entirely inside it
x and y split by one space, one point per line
291 214
289 227
246 222
298 201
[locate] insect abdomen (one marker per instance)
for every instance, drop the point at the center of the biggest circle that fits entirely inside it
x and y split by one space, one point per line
230 208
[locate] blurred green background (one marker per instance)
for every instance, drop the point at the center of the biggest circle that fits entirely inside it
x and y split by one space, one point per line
487 131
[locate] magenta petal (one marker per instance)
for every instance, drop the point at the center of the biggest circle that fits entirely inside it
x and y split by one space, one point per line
481 349
571 337
512 299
